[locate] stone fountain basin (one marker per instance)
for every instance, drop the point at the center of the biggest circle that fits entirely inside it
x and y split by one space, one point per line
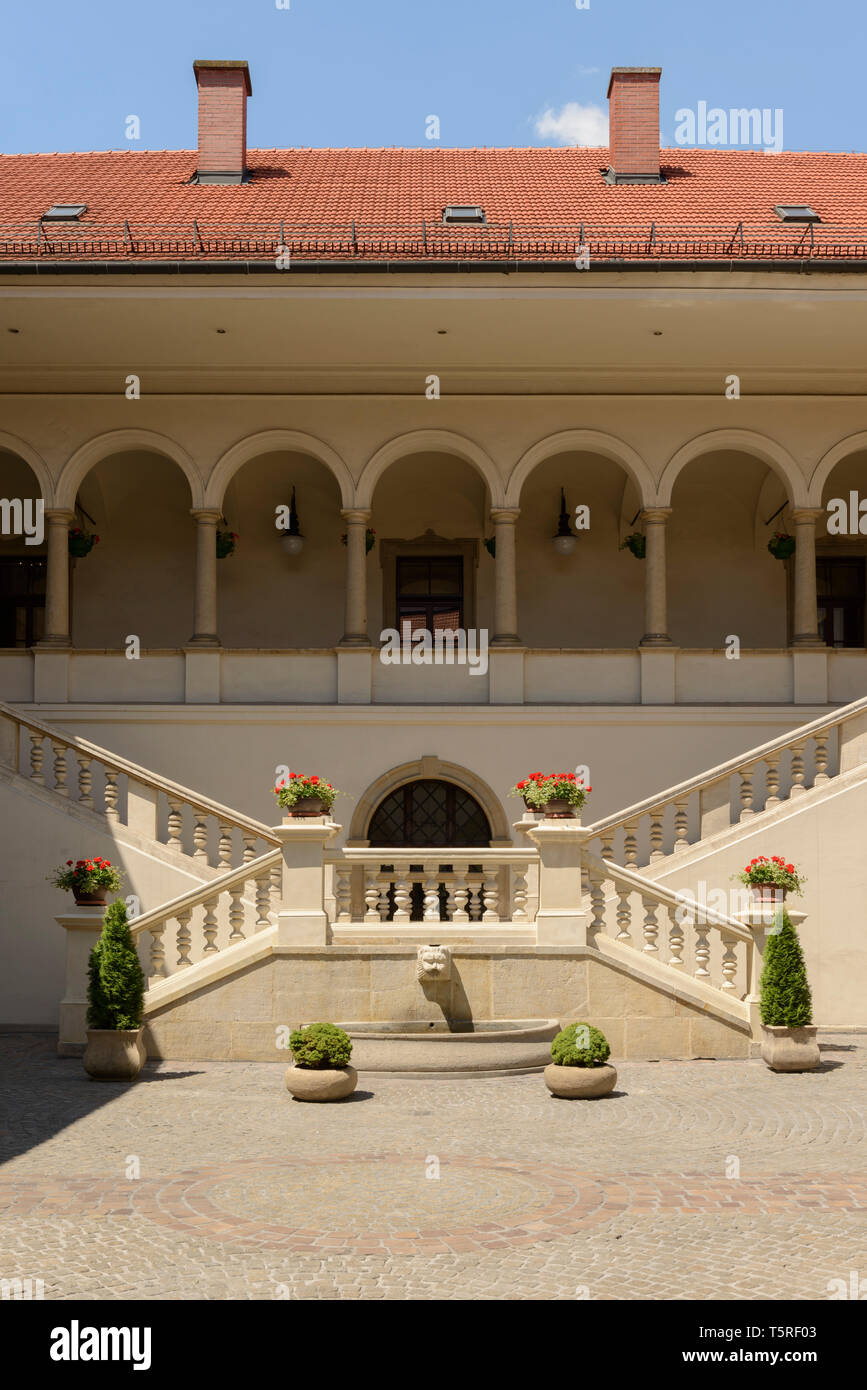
413 1047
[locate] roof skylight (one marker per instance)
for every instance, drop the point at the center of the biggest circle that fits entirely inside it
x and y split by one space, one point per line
796 212
64 212
459 213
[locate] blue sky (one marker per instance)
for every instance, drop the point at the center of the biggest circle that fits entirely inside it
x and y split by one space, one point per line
369 72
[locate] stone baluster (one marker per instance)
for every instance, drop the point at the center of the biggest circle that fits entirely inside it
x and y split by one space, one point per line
729 962
371 898
772 781
474 884
797 788
110 794
607 842
249 840
450 900
597 902
651 926
519 894
175 825
209 926
746 776
675 937
158 952
431 893
184 937
461 893
384 904
85 781
402 895
224 848
702 946
36 757
277 882
343 893
624 916
200 835
60 768
656 833
492 896
263 901
821 760
681 825
236 913
630 845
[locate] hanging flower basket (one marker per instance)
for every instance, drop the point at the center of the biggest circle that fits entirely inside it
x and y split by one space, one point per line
369 539
81 542
491 546
226 542
781 545
637 544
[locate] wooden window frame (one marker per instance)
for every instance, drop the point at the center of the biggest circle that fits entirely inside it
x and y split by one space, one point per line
433 546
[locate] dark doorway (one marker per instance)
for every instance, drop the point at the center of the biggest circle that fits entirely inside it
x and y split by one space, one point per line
22 600
840 590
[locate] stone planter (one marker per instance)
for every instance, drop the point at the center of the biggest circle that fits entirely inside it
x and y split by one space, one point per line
580 1083
790 1049
558 810
320 1083
114 1054
95 899
768 893
310 806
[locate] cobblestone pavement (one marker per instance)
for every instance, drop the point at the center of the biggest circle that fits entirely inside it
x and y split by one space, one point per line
205 1180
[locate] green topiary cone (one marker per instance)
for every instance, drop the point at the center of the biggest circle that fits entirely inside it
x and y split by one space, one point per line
115 989
785 990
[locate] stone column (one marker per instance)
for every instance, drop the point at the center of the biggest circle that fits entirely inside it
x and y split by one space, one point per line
655 597
806 623
355 594
57 579
205 616
505 578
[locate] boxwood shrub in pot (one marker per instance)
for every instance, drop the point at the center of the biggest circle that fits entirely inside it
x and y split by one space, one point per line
789 1037
580 1069
115 1002
321 1071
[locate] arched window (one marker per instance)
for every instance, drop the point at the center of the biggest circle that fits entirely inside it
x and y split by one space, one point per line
429 814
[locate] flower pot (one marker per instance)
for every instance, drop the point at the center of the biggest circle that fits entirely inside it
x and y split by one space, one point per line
768 893
308 806
114 1054
790 1049
580 1083
559 810
321 1083
94 899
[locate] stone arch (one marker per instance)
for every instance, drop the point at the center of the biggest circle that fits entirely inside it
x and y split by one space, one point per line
430 767
123 442
852 444
13 445
429 442
272 442
742 442
586 442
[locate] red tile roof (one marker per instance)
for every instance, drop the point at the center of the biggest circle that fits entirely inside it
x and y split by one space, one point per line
395 199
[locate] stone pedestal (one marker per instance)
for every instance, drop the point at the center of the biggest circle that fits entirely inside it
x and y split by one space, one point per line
560 920
302 920
83 926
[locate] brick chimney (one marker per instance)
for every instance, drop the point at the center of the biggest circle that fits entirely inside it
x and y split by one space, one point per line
633 125
223 91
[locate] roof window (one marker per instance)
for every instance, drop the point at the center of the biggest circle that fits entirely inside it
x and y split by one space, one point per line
64 212
796 212
458 214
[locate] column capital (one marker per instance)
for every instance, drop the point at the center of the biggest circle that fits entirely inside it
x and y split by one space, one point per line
802 515
506 515
60 515
356 515
207 514
659 515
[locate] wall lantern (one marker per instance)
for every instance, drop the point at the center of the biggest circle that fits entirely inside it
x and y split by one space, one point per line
291 539
565 540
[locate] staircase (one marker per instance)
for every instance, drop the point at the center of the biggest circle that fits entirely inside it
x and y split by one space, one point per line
212 883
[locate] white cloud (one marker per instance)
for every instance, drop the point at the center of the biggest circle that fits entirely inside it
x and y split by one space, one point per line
574 124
